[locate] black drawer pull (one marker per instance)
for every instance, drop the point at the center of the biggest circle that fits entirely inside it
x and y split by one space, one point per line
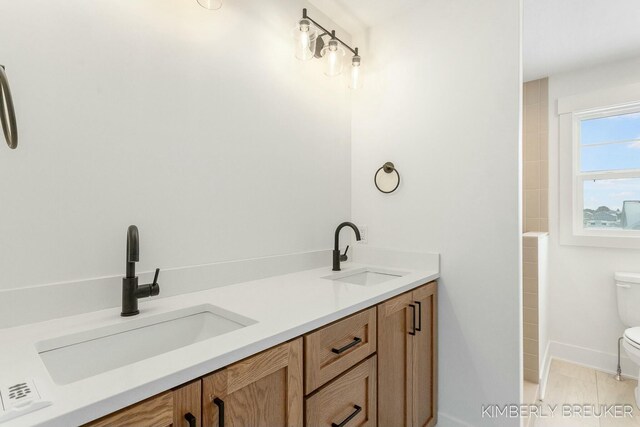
413 316
349 418
220 404
353 343
190 419
419 328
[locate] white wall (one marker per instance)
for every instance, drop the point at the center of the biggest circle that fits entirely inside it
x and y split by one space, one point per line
442 101
584 324
198 126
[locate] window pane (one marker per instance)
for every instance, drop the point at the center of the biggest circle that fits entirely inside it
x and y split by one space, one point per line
612 203
609 129
621 155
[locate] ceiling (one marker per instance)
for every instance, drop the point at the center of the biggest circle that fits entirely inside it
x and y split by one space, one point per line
564 35
558 35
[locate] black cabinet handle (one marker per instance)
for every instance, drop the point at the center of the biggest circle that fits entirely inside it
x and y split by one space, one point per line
413 317
419 328
190 419
349 418
353 343
220 404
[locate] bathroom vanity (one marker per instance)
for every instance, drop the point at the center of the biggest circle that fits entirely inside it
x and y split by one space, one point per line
375 367
314 347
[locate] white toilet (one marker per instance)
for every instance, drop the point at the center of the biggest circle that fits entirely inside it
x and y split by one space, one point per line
628 290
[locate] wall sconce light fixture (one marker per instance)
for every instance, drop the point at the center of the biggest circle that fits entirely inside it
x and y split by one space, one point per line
210 4
308 45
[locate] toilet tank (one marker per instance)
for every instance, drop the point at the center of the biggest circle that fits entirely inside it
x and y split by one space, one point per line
628 290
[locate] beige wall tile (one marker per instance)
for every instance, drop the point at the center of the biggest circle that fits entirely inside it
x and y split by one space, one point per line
531 118
529 254
530 242
530 315
543 146
531 175
530 364
530 330
543 119
531 146
531 224
544 224
532 203
544 174
530 284
531 92
530 300
530 269
544 203
530 346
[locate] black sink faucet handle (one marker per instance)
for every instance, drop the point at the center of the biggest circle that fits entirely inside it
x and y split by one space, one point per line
154 288
344 256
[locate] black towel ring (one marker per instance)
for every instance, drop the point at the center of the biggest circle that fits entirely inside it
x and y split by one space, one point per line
7 112
387 178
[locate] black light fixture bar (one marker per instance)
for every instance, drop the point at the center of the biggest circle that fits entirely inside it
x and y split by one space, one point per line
332 32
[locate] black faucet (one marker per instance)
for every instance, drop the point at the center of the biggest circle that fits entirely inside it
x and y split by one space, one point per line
130 289
337 257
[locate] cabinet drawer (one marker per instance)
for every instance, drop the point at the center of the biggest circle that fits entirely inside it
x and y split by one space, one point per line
348 401
335 348
154 412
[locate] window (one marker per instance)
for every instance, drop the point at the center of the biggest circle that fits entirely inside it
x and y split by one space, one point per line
608 172
608 175
599 168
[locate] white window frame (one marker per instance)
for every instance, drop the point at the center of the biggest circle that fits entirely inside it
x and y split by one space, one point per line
572 111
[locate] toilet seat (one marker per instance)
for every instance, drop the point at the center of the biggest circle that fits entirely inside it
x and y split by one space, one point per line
632 336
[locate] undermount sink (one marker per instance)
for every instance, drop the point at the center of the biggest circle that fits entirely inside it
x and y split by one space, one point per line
74 357
365 276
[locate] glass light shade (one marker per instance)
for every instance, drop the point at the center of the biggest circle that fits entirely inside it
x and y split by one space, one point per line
210 4
304 40
355 80
332 55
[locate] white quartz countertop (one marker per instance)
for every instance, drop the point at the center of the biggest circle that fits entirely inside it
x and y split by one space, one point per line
284 307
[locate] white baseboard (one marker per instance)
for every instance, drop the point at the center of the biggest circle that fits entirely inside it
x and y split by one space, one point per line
599 360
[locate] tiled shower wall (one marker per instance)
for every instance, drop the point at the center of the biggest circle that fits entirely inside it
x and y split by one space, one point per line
535 216
530 305
535 145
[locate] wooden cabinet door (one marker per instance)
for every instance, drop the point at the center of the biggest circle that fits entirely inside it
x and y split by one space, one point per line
425 356
154 412
348 401
187 405
264 390
395 354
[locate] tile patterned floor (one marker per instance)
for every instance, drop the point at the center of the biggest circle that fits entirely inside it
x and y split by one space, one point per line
569 383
